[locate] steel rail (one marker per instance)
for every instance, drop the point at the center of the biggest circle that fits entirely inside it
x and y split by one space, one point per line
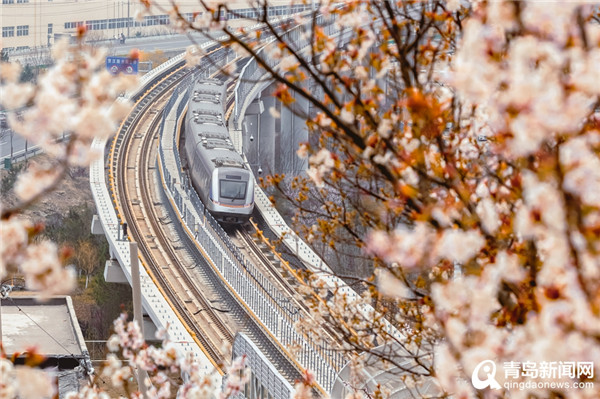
119 157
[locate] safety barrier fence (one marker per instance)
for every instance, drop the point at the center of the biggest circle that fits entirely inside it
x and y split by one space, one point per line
250 286
153 301
263 373
252 80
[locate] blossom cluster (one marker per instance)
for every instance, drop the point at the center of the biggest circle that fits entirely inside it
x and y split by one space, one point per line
457 144
454 146
535 296
73 102
157 368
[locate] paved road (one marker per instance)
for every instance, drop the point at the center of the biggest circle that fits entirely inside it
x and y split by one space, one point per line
170 43
166 43
5 138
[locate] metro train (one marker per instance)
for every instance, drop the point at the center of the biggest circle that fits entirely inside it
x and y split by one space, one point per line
217 171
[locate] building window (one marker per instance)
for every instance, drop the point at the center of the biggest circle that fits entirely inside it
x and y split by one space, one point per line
22 1
8 31
49 29
8 1
72 25
98 24
23 30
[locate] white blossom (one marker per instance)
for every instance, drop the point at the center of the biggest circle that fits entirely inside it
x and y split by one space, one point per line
288 63
33 383
347 116
320 164
34 181
486 210
390 286
274 113
458 245
8 382
44 272
10 71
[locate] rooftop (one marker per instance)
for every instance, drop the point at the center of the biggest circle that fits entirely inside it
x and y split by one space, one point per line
50 326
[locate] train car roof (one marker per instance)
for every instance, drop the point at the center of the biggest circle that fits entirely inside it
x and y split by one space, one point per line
206 115
201 95
205 130
207 91
208 82
205 120
220 153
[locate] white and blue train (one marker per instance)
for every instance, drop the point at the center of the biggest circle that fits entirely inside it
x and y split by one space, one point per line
218 173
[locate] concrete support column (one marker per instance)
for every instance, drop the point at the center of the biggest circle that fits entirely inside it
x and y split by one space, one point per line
137 308
271 143
293 132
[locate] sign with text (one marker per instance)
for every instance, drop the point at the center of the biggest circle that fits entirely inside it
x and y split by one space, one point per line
125 65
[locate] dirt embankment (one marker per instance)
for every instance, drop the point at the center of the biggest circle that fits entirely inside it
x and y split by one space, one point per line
67 213
73 190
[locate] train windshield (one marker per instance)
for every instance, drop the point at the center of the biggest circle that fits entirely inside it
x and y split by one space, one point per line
232 189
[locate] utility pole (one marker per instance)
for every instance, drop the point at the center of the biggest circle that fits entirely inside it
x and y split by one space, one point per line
137 308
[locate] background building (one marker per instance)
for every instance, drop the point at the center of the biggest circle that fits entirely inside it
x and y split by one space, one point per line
28 24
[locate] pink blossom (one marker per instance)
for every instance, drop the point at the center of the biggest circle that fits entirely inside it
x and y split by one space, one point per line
13 240
274 113
34 181
44 272
458 245
8 382
33 383
14 96
320 164
288 63
390 286
404 246
486 210
238 374
452 5
347 116
10 71
583 169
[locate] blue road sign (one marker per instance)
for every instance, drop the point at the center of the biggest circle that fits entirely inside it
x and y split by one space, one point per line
125 65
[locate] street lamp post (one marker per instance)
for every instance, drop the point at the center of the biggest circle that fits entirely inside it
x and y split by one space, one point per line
128 22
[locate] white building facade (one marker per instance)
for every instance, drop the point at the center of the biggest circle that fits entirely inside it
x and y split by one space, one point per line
27 24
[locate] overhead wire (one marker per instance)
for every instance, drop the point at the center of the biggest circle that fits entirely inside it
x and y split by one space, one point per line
88 370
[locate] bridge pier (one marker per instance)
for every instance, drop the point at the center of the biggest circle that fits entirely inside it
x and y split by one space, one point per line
113 273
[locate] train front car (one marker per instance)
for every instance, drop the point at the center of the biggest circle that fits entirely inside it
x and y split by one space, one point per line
231 194
218 173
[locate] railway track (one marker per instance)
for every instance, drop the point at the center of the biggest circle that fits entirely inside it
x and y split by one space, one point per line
134 184
134 151
283 278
